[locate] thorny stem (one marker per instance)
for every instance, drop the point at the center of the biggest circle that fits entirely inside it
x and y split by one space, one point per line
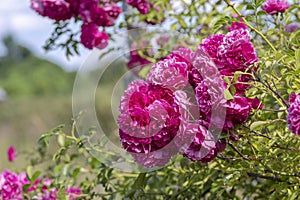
277 95
236 150
276 145
228 159
249 25
274 178
270 110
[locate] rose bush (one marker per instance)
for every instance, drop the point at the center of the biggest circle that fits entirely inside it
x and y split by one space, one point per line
245 61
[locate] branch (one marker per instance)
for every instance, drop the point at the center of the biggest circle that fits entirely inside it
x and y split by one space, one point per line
249 25
274 178
258 79
236 150
276 145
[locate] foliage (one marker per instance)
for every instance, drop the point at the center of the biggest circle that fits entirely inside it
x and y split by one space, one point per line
22 74
262 164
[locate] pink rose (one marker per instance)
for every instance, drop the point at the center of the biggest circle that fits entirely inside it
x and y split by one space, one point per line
11 154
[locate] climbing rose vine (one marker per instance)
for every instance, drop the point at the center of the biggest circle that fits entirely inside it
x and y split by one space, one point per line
215 109
275 6
93 13
293 117
15 186
231 52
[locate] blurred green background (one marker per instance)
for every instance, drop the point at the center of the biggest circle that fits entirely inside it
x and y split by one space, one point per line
36 96
39 97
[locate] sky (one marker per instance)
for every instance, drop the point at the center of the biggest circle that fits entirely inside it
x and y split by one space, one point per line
31 30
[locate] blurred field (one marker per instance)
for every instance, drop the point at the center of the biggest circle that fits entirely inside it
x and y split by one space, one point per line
38 99
22 121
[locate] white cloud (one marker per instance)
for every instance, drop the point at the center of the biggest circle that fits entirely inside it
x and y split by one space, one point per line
26 21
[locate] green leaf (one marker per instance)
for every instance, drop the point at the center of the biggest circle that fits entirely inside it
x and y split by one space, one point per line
226 79
228 95
258 3
62 194
232 90
29 172
144 71
140 181
61 140
26 187
268 63
182 23
35 176
218 25
174 27
236 75
75 172
44 139
259 123
297 56
261 12
250 7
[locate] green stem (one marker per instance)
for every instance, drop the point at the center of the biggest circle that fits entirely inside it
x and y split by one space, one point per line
73 129
140 181
249 25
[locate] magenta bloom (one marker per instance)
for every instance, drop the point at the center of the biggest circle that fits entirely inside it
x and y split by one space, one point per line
242 84
11 154
50 195
91 12
149 120
74 6
172 72
148 113
92 37
143 6
112 11
275 6
25 181
238 111
236 52
234 36
73 193
201 146
231 52
10 186
160 117
57 10
88 10
237 25
210 95
47 192
293 117
292 27
136 62
211 46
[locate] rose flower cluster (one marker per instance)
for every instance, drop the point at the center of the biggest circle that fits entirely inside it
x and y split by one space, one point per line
93 13
181 107
273 7
15 186
293 117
